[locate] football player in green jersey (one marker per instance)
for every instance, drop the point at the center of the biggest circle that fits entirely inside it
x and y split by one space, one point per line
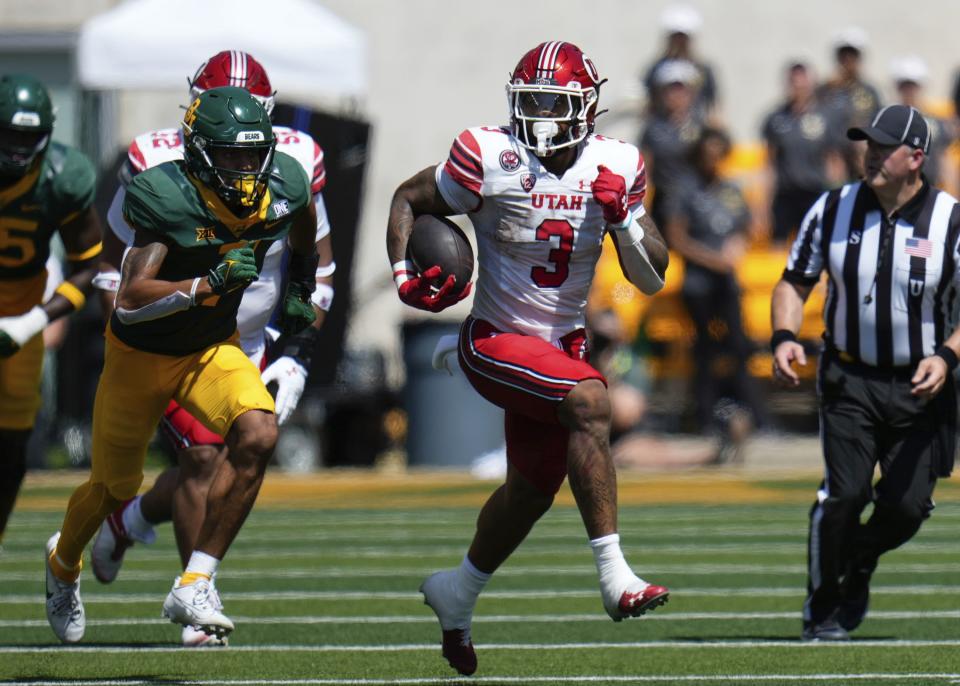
202 226
45 188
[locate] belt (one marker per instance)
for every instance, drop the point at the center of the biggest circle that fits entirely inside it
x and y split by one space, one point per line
849 359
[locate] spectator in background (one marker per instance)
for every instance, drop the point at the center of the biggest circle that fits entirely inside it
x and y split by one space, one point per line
669 135
803 152
909 74
680 23
707 225
853 100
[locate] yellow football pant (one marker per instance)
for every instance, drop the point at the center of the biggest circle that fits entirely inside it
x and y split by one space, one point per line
20 373
215 385
20 385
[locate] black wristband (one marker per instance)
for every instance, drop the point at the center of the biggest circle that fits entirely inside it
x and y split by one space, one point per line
947 355
303 269
301 346
781 335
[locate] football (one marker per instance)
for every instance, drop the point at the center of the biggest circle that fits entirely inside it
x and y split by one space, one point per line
438 241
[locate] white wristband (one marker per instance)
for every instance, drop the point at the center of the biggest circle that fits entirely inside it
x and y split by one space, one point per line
107 281
403 271
326 270
193 291
322 296
25 326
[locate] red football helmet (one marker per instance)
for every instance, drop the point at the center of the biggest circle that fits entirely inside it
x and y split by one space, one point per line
553 96
234 68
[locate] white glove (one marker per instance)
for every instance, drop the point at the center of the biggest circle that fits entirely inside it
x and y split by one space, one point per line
446 346
16 331
291 377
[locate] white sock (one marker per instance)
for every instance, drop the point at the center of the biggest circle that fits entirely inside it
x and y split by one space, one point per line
470 581
201 563
615 574
138 528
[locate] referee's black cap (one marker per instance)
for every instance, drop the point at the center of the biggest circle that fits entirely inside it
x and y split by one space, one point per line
895 125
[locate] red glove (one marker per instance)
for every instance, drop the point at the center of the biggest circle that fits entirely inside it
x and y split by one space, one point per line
610 192
418 291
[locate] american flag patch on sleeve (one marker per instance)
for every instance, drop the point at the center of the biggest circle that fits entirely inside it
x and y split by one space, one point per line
918 247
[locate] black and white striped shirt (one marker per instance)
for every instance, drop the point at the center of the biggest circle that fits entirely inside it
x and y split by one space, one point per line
892 281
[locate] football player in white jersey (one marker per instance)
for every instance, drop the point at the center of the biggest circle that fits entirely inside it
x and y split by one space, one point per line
542 194
180 492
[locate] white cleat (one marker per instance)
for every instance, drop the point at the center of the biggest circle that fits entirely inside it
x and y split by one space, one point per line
112 541
197 605
191 637
64 607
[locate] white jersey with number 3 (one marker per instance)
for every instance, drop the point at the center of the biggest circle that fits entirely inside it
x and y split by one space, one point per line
538 236
259 299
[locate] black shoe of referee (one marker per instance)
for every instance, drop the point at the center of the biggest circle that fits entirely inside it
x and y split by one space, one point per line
827 630
856 595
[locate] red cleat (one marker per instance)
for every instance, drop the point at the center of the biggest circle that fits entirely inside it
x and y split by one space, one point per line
458 650
109 546
637 604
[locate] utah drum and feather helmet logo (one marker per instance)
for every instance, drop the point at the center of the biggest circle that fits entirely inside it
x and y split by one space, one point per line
509 161
528 181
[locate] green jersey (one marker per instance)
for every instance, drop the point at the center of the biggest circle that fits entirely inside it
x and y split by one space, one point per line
55 191
198 230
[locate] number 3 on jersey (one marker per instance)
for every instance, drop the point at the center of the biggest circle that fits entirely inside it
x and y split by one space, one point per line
559 256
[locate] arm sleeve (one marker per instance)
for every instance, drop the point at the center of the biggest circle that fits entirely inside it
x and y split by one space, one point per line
806 258
319 179
323 221
460 178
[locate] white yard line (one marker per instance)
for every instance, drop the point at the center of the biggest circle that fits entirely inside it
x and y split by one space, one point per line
511 570
510 647
586 678
355 595
739 548
501 618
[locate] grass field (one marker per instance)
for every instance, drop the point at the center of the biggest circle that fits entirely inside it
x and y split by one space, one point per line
322 584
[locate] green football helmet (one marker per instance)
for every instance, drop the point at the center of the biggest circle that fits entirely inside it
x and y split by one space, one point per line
26 121
228 146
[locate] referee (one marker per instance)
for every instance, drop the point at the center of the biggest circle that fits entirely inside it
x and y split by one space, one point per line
889 246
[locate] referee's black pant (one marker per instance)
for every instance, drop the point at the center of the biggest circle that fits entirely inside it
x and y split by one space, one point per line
868 417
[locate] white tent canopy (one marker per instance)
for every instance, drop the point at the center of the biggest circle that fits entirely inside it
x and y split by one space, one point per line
158 44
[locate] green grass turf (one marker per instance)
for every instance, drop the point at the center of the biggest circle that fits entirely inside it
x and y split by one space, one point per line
308 589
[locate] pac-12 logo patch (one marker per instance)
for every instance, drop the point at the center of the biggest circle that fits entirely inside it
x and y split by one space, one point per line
528 181
509 160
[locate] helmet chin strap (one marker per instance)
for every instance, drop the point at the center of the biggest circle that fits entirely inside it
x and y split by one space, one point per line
544 131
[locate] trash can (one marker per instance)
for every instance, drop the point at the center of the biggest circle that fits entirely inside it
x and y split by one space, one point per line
449 423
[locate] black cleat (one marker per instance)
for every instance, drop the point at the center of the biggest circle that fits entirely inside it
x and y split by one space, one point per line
827 630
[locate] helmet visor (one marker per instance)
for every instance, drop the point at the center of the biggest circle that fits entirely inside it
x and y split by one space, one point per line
19 148
242 170
544 105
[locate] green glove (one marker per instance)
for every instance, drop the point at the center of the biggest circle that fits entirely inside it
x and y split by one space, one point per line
297 311
7 345
238 269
